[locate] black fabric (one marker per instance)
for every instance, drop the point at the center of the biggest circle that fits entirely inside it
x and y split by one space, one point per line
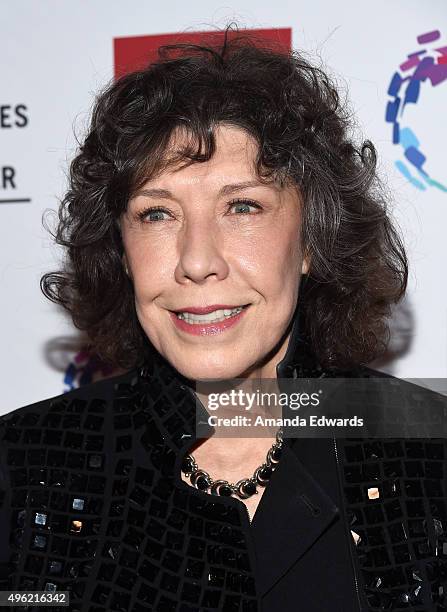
92 502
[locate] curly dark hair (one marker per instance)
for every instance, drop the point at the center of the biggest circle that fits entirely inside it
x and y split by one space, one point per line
293 110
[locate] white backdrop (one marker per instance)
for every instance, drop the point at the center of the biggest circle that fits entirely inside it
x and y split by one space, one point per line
56 54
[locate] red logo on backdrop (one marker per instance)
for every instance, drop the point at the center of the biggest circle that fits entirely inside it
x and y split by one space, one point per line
135 52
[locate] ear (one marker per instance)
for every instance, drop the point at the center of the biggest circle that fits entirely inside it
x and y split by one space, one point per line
305 265
125 264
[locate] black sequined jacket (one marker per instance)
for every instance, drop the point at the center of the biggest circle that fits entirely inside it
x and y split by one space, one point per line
92 502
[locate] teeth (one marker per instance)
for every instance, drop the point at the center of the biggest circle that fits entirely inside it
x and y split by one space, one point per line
211 317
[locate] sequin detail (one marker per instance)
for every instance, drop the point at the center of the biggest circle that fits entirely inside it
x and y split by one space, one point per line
96 511
396 501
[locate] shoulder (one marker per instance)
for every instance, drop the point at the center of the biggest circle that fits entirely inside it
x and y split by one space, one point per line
92 398
411 388
392 407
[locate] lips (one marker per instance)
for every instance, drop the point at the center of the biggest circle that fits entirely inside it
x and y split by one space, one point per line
207 309
208 328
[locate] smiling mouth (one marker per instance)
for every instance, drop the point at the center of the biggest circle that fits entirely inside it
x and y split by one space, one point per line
216 316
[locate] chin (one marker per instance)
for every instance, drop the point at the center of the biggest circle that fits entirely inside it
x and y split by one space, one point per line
209 372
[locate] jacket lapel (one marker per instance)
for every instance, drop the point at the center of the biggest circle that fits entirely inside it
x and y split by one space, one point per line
292 513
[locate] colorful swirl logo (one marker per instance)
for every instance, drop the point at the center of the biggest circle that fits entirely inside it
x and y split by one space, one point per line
429 65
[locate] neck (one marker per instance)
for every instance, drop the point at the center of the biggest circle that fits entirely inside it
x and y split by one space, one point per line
231 458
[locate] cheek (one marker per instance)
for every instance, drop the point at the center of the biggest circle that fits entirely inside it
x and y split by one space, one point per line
272 261
150 264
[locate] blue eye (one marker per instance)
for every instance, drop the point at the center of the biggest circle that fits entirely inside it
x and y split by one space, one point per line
243 202
143 214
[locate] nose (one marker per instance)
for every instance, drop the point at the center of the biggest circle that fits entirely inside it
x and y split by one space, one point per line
200 252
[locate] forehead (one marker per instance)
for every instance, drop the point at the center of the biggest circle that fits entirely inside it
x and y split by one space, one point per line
234 157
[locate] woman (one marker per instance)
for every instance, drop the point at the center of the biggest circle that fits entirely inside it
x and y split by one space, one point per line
220 224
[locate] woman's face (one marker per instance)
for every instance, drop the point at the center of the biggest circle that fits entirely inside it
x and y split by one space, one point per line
202 248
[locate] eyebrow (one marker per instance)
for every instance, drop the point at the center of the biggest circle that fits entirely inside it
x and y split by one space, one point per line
225 190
